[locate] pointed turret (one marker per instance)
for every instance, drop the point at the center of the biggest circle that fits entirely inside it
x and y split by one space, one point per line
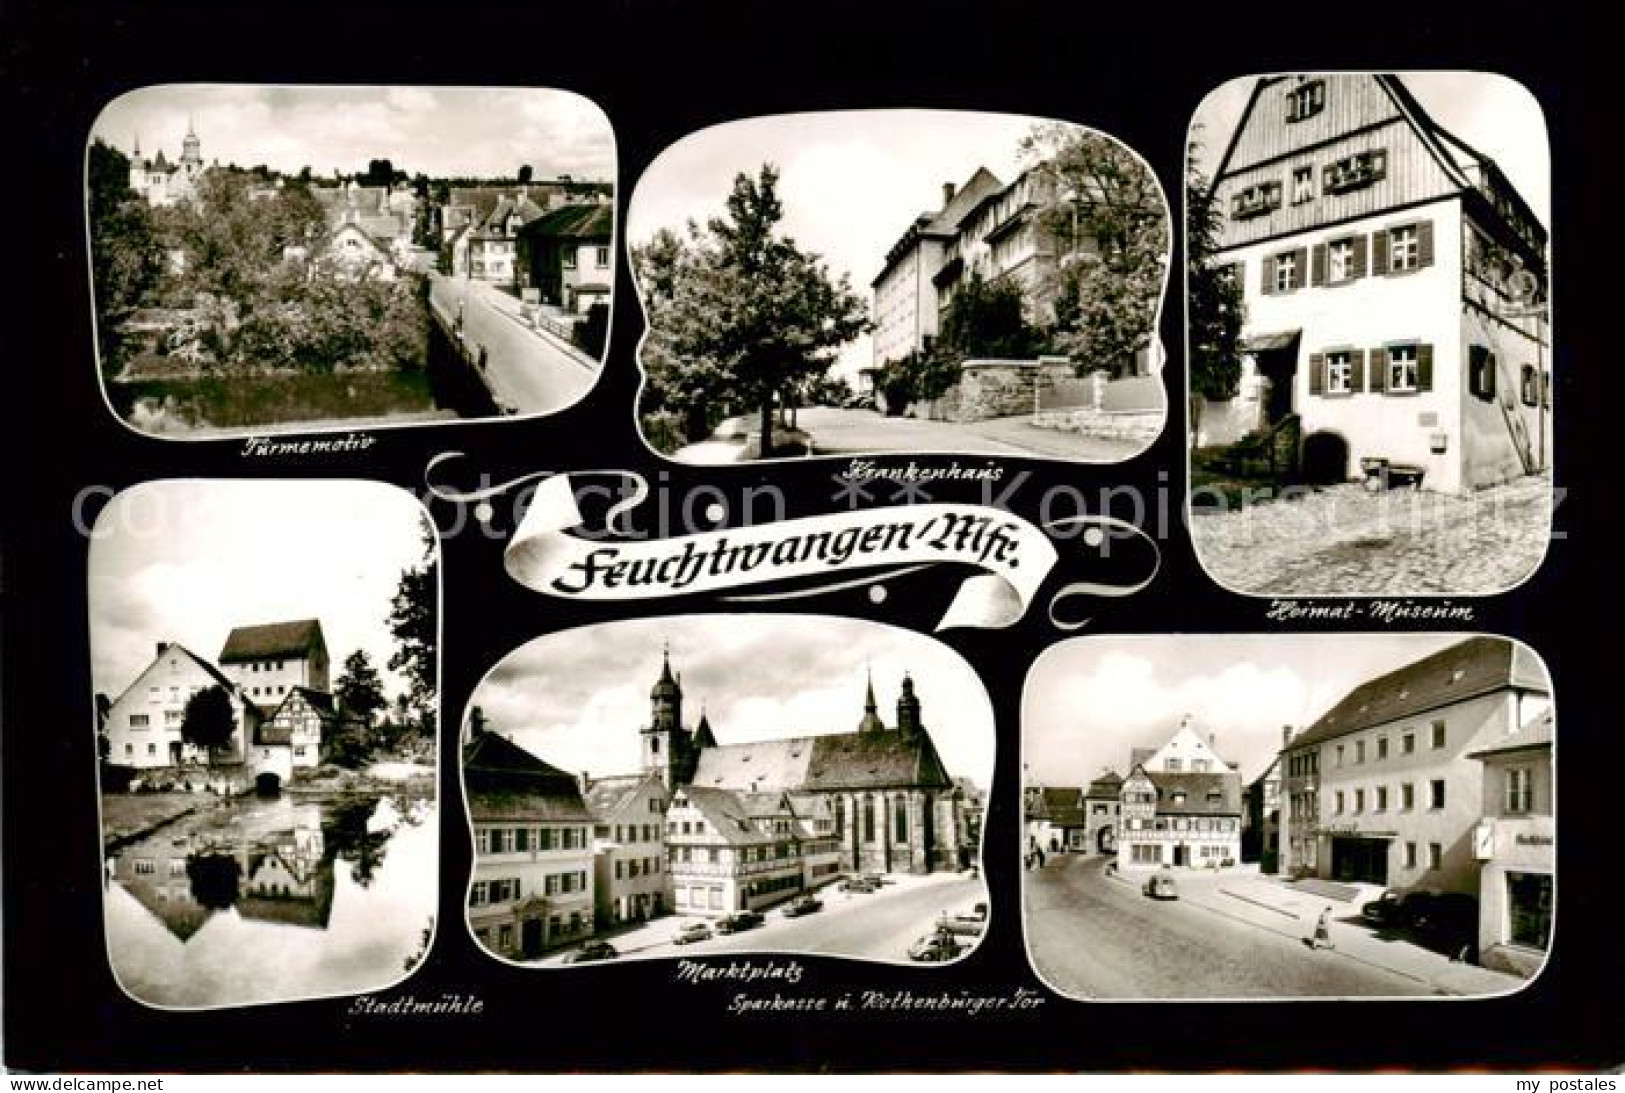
871 716
703 736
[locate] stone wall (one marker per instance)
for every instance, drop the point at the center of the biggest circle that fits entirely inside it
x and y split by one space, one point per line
1141 426
989 388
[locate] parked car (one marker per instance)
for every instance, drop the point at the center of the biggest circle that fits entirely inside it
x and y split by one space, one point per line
739 920
859 884
694 931
806 905
877 879
1449 923
592 950
970 923
936 947
1161 886
1397 908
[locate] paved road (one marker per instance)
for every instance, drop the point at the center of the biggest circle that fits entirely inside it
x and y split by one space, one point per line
1091 936
525 370
876 926
1342 540
857 432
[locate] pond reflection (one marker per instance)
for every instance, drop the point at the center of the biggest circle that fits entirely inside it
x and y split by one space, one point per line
257 901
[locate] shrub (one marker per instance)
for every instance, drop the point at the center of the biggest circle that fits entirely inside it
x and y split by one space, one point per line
591 334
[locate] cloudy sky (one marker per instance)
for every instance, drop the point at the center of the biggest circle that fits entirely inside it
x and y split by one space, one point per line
1492 113
439 131
189 560
1090 701
851 182
578 699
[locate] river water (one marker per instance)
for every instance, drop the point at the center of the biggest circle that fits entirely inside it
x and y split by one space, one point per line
273 900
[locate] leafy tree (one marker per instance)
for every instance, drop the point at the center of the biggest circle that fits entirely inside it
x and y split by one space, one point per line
216 880
358 688
380 172
525 174
1106 213
1215 300
753 312
210 719
414 624
988 320
125 254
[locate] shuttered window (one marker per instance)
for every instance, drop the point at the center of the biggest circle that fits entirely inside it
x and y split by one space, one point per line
1284 272
1402 369
1403 248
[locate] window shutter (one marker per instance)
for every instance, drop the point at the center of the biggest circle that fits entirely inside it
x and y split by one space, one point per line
1379 252
1424 368
1357 370
1268 266
1317 264
1424 244
1379 369
1317 373
1359 257
1300 266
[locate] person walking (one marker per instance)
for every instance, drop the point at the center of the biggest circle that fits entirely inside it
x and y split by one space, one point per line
1323 930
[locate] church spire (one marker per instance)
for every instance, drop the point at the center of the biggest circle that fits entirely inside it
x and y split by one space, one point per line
871 716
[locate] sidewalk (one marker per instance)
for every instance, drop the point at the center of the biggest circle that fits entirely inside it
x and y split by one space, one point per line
1271 904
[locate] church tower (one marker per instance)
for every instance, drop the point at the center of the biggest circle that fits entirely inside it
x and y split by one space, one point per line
191 151
667 749
871 718
908 710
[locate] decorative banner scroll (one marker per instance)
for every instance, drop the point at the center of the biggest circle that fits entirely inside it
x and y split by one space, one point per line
555 553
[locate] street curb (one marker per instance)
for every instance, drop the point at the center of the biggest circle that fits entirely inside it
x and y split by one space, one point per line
1258 903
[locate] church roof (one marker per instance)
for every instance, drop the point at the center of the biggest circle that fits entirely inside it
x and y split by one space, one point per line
853 760
276 639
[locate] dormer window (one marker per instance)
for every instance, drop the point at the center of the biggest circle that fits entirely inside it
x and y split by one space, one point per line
1306 100
1352 172
1255 200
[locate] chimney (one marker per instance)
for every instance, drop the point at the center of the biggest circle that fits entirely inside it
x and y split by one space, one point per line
1213 740
476 723
1286 735
163 647
948 191
585 781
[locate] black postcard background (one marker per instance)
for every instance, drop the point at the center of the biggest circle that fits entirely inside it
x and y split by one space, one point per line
661 71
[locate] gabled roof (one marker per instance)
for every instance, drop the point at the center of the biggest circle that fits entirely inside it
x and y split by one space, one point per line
506 782
275 639
1466 670
1455 156
176 647
271 733
579 221
1537 735
1109 784
607 796
854 760
727 815
1205 794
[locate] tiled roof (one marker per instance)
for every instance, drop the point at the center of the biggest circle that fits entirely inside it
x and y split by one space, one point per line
272 640
1466 670
1205 794
837 761
607 796
579 221
1109 784
506 782
1537 734
727 815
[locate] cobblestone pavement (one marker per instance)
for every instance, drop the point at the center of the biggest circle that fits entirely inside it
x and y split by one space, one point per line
1343 541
